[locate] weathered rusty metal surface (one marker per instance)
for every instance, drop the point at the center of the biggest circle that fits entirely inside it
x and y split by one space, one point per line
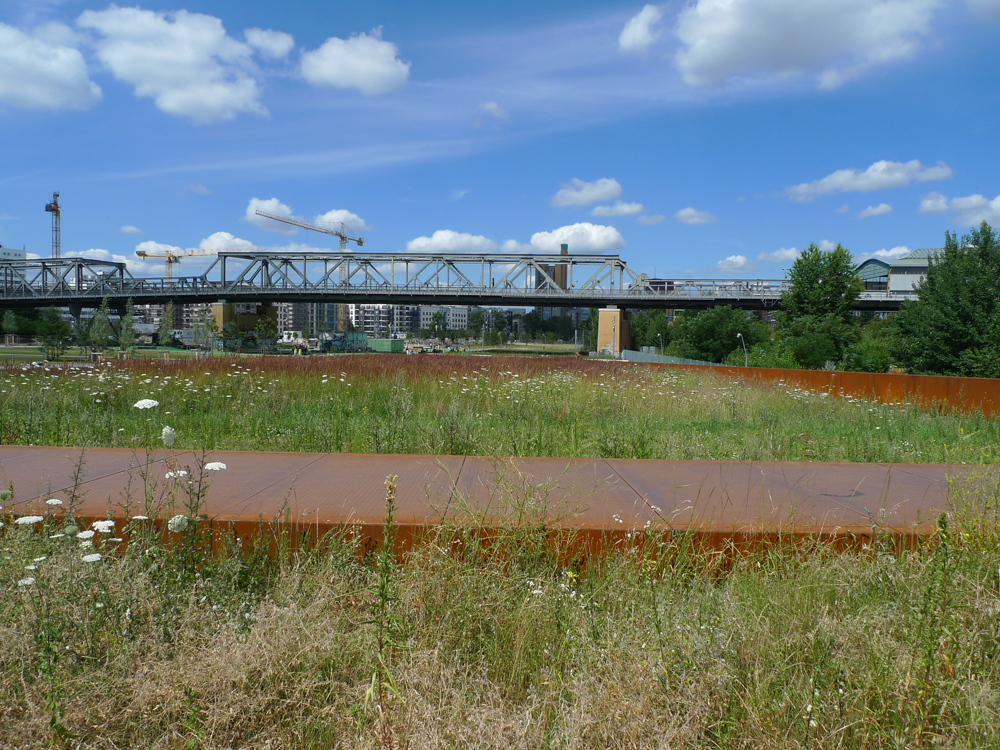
931 391
601 498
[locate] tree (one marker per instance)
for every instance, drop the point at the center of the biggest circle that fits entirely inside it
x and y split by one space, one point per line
872 352
266 331
166 332
711 334
205 326
439 324
817 313
101 333
9 322
127 337
499 322
54 332
533 323
947 330
477 319
651 328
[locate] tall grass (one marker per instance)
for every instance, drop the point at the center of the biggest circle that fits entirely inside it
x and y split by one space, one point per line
473 405
500 641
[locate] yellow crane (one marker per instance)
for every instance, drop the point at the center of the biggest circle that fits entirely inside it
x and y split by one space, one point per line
171 257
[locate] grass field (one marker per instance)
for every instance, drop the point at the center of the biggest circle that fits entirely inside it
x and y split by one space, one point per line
141 641
471 405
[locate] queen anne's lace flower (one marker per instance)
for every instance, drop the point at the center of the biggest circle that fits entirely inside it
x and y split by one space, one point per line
85 535
26 581
177 523
175 474
104 527
93 557
27 520
146 403
215 466
53 501
168 436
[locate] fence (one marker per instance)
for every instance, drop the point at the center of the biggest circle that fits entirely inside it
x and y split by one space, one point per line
632 356
935 391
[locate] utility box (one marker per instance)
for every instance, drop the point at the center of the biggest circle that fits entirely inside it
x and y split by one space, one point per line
387 346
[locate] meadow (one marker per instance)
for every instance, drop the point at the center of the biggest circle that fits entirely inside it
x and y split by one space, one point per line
130 636
433 404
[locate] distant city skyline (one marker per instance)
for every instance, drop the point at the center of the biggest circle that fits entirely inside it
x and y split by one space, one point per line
697 139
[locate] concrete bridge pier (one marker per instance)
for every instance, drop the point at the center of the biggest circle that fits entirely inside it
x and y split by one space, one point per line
614 331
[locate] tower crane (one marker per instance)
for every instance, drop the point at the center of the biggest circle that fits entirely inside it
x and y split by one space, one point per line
53 208
344 233
171 257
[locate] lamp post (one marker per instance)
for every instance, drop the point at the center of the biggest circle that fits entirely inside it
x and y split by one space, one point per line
660 337
746 357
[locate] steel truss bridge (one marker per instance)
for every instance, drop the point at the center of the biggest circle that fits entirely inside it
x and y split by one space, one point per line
494 279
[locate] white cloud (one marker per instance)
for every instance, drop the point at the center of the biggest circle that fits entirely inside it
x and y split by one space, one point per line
784 255
129 229
933 203
618 209
32 256
827 246
271 206
185 62
974 209
447 241
133 264
735 264
154 247
879 176
457 195
843 209
39 72
638 35
199 189
724 40
581 238
880 210
691 216
651 220
273 45
576 192
332 220
223 240
363 62
896 252
494 109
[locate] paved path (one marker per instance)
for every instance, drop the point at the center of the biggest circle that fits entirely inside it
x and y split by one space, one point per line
325 490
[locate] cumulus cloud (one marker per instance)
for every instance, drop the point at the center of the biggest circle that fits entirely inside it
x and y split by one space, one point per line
271 206
843 209
618 209
363 62
581 238
897 252
933 203
974 209
129 229
879 176
827 246
651 219
784 255
576 192
199 189
222 241
333 219
494 109
639 32
735 264
153 266
692 216
185 62
271 44
880 210
132 264
39 71
447 241
832 41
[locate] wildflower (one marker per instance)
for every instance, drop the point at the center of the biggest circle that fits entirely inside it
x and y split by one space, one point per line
146 403
53 501
168 436
39 559
104 527
26 581
215 466
172 475
140 518
26 520
177 523
57 536
6 495
85 535
93 557
87 544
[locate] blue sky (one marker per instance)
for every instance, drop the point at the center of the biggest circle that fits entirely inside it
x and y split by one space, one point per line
708 138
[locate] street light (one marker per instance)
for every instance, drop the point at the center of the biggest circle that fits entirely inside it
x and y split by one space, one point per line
746 358
660 337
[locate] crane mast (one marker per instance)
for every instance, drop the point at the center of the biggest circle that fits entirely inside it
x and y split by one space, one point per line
53 208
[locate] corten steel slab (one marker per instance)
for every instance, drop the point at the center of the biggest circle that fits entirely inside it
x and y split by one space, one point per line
328 490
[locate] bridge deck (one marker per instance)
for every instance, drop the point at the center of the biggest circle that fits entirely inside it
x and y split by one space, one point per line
721 499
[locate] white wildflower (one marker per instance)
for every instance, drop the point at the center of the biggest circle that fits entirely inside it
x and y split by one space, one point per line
140 518
177 523
175 475
104 527
26 581
53 501
168 436
146 403
93 557
26 520
85 535
87 544
215 466
57 536
39 559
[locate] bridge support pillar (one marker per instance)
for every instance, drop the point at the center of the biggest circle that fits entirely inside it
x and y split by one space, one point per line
76 310
614 331
224 313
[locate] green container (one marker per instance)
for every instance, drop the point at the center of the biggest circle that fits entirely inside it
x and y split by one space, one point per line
386 346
